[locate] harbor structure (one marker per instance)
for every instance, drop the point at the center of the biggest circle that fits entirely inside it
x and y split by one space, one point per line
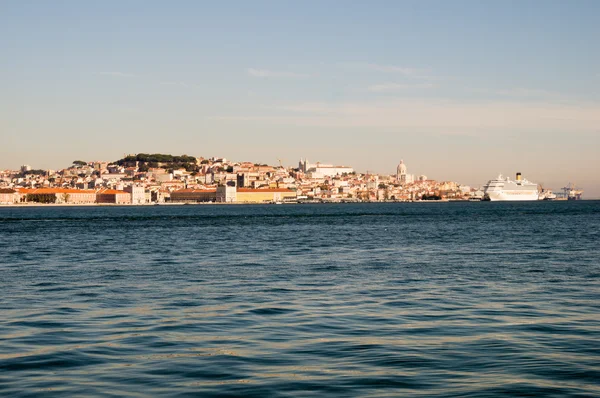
571 192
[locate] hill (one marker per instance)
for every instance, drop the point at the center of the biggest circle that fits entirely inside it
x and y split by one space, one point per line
144 161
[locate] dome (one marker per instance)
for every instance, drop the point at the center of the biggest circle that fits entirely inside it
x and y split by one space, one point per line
401 168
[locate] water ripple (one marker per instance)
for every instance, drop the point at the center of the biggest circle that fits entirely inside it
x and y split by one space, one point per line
450 300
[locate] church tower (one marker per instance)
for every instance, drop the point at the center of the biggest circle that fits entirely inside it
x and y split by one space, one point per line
401 172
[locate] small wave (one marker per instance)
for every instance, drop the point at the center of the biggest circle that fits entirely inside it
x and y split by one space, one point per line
271 311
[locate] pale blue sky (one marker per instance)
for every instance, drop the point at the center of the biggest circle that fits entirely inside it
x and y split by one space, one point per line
460 90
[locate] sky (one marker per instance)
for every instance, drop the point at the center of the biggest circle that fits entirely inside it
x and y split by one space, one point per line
460 90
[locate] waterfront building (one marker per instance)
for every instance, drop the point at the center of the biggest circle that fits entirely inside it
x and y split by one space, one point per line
113 196
138 194
57 195
8 196
232 194
247 195
226 193
73 196
194 195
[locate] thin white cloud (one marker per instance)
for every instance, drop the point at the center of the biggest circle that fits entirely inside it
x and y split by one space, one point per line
393 87
410 72
265 73
306 107
175 84
529 94
524 92
404 71
118 74
437 116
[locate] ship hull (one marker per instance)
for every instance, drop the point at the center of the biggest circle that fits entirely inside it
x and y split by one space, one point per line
501 196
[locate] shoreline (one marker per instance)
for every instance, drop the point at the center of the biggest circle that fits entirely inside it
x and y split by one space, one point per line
28 205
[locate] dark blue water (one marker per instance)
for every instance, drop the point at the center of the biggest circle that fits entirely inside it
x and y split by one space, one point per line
453 300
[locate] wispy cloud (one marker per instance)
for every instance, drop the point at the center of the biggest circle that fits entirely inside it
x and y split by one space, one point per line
175 84
409 72
265 73
118 74
404 71
393 87
525 92
149 79
436 116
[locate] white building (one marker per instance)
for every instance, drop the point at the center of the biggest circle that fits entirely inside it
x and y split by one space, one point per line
163 177
402 176
227 193
138 194
320 170
401 171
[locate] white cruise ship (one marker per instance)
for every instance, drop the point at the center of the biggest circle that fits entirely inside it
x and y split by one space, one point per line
505 189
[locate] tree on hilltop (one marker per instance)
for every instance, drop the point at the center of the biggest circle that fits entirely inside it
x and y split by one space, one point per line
157 158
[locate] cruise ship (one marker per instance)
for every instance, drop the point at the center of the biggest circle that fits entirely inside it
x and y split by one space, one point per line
505 189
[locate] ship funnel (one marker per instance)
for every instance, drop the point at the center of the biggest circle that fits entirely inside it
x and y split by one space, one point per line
518 176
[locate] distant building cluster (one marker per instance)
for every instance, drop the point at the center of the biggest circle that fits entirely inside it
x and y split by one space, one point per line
145 179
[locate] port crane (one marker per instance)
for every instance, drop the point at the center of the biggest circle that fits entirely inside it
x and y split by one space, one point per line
571 192
570 187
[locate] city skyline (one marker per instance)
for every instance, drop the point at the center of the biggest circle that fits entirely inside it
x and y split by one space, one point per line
460 91
303 165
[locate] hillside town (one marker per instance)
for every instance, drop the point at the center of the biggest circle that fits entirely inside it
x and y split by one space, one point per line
162 179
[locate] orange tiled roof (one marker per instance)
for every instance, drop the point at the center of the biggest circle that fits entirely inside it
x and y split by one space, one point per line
191 190
51 191
264 190
112 192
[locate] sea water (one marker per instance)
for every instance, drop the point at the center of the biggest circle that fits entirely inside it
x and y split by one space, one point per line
431 299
